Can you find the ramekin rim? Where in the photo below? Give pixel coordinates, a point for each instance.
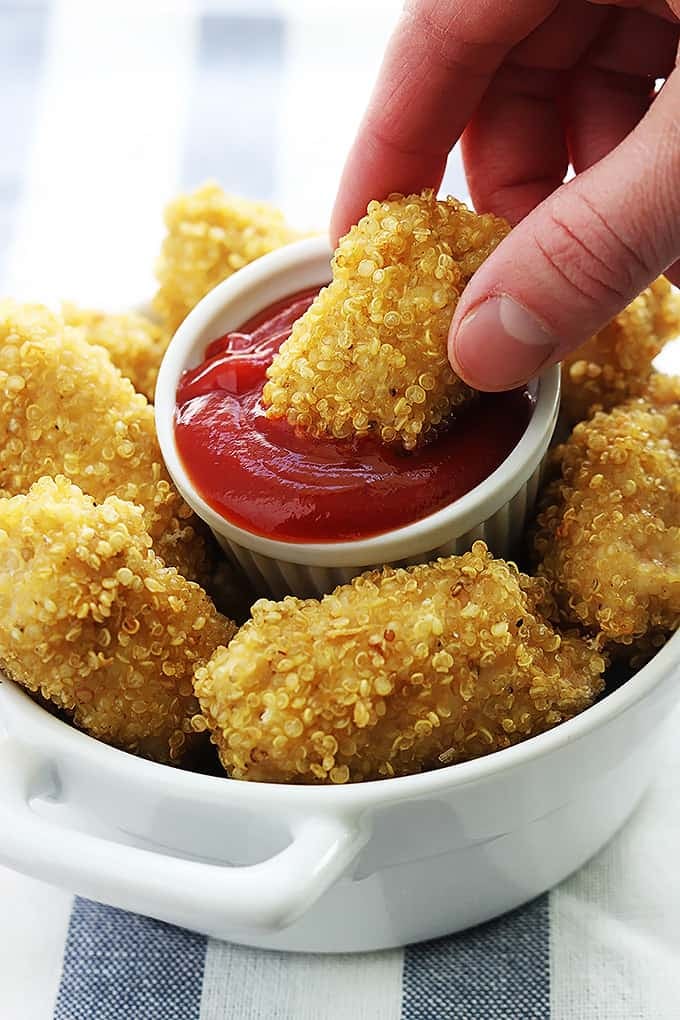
(363, 795)
(477, 505)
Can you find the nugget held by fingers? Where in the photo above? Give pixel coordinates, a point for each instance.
(92, 619)
(370, 354)
(399, 671)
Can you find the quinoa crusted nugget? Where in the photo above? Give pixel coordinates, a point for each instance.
(399, 671)
(92, 620)
(370, 353)
(211, 235)
(663, 391)
(616, 363)
(65, 409)
(608, 529)
(135, 344)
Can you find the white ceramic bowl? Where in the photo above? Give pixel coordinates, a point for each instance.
(327, 868)
(495, 510)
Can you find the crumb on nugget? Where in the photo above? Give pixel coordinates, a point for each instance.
(211, 235)
(399, 671)
(616, 363)
(370, 354)
(65, 409)
(135, 344)
(92, 619)
(607, 535)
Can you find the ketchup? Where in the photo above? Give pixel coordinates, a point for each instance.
(265, 477)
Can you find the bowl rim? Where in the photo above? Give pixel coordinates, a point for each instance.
(351, 797)
(484, 500)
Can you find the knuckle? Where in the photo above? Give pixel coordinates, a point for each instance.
(450, 41)
(512, 199)
(589, 254)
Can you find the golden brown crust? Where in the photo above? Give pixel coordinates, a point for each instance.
(607, 535)
(136, 345)
(65, 409)
(398, 671)
(663, 391)
(92, 619)
(616, 363)
(211, 235)
(370, 354)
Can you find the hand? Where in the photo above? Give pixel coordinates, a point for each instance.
(532, 85)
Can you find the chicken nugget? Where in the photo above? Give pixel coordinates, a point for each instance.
(65, 409)
(399, 671)
(663, 391)
(211, 235)
(616, 363)
(607, 535)
(92, 619)
(135, 344)
(370, 354)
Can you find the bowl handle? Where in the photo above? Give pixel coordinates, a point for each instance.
(257, 898)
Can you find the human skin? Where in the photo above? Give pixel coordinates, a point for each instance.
(531, 86)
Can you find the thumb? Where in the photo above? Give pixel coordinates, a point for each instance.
(577, 259)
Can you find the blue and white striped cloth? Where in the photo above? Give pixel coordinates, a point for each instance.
(107, 108)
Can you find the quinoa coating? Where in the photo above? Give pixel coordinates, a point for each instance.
(65, 409)
(663, 391)
(92, 619)
(211, 235)
(616, 363)
(608, 528)
(399, 671)
(135, 344)
(370, 353)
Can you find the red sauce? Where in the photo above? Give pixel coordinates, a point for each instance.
(271, 480)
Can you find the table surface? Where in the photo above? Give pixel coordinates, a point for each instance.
(111, 108)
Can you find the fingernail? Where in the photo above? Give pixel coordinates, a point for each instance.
(500, 345)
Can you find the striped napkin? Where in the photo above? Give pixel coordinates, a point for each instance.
(107, 110)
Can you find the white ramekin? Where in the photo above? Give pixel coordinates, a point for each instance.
(495, 510)
(327, 869)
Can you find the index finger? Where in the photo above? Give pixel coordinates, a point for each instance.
(437, 66)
